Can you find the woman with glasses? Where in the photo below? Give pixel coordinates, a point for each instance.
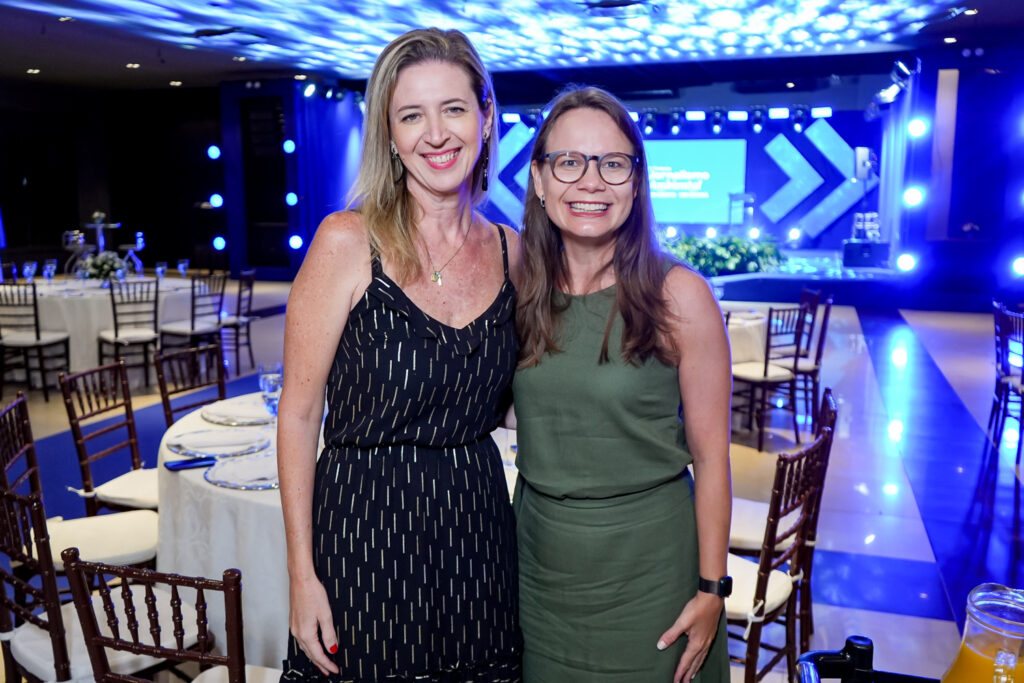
(401, 539)
(624, 381)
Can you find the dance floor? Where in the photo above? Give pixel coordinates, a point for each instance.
(918, 507)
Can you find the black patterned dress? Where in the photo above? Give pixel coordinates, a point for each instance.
(414, 538)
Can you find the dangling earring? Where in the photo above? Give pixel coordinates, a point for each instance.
(487, 161)
(542, 204)
(397, 167)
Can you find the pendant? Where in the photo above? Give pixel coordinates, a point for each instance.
(436, 277)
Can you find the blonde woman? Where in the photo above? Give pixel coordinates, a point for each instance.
(401, 541)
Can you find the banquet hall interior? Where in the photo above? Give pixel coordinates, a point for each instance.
(865, 156)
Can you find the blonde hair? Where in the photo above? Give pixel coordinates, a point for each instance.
(382, 198)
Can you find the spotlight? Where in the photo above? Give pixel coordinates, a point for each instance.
(799, 119)
(1018, 266)
(776, 113)
(219, 243)
(900, 70)
(906, 262)
(695, 116)
(648, 124)
(913, 196)
(794, 234)
(295, 242)
(754, 233)
(757, 120)
(291, 199)
(330, 93)
(636, 117)
(917, 127)
(716, 122)
(288, 146)
(671, 231)
(821, 112)
(510, 118)
(674, 123)
(216, 200)
(738, 115)
(711, 233)
(309, 90)
(213, 151)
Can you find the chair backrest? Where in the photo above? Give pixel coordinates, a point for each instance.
(207, 297)
(819, 351)
(793, 491)
(828, 415)
(1010, 327)
(19, 309)
(91, 393)
(184, 370)
(810, 298)
(139, 632)
(25, 543)
(18, 461)
(246, 284)
(785, 329)
(135, 304)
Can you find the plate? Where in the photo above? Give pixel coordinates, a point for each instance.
(255, 472)
(239, 411)
(218, 442)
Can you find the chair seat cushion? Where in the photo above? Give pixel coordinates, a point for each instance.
(744, 584)
(749, 517)
(118, 538)
(32, 649)
(235, 321)
(753, 371)
(184, 328)
(28, 339)
(253, 674)
(137, 489)
(129, 335)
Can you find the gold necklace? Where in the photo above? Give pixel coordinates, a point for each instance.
(435, 275)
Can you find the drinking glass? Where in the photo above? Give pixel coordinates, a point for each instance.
(270, 377)
(161, 269)
(28, 270)
(119, 274)
(50, 269)
(183, 267)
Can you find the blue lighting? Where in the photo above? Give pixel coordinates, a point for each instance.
(917, 127)
(711, 233)
(295, 242)
(778, 113)
(344, 38)
(906, 262)
(913, 196)
(899, 357)
(510, 117)
(288, 146)
(695, 116)
(219, 243)
(216, 201)
(738, 116)
(754, 233)
(636, 117)
(821, 112)
(895, 430)
(794, 234)
(291, 199)
(671, 231)
(213, 151)
(1018, 266)
(309, 90)
(890, 489)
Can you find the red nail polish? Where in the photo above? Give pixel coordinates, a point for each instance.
(334, 649)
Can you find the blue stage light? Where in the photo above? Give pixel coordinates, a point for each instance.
(754, 233)
(213, 151)
(1018, 266)
(219, 243)
(309, 90)
(291, 199)
(917, 127)
(671, 231)
(906, 262)
(695, 116)
(711, 233)
(636, 117)
(649, 124)
(821, 112)
(295, 242)
(738, 115)
(288, 146)
(510, 117)
(794, 234)
(216, 201)
(778, 113)
(913, 196)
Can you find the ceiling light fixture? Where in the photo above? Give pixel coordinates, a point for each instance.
(31, 71)
(238, 58)
(63, 19)
(949, 40)
(971, 12)
(300, 77)
(175, 84)
(132, 65)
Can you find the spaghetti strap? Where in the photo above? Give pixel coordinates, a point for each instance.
(504, 248)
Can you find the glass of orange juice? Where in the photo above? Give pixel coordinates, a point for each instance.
(992, 650)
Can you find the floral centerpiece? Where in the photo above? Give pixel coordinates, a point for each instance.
(102, 266)
(725, 255)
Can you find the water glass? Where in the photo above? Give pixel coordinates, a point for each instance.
(183, 267)
(270, 378)
(161, 269)
(50, 269)
(28, 270)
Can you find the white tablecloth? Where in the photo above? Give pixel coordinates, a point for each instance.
(746, 335)
(205, 529)
(82, 308)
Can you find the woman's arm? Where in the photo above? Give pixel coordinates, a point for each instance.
(705, 388)
(334, 272)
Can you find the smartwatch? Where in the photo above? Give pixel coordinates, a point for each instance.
(722, 588)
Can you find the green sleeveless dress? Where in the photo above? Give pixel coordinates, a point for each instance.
(605, 513)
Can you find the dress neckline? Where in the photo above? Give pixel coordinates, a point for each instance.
(388, 282)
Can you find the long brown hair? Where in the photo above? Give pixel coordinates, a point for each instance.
(385, 205)
(638, 263)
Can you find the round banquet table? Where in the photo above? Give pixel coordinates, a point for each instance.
(205, 529)
(747, 331)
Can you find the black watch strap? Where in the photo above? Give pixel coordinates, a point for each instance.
(722, 588)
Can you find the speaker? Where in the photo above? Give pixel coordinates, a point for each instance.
(865, 254)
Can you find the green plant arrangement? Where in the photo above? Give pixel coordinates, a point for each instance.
(725, 255)
(102, 266)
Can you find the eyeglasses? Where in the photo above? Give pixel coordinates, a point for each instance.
(615, 168)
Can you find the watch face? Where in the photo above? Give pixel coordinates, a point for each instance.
(725, 585)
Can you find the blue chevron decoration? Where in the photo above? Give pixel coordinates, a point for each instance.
(842, 198)
(803, 179)
(517, 138)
